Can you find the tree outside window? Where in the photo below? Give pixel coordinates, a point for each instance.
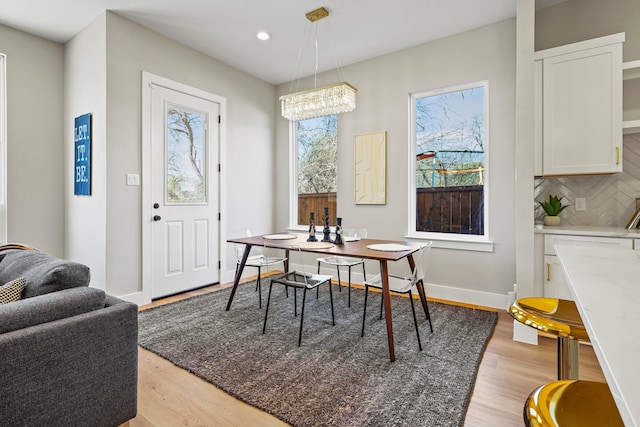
(449, 144)
(317, 167)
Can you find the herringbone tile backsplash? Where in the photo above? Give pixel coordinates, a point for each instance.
(611, 199)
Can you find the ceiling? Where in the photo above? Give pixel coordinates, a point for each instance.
(356, 30)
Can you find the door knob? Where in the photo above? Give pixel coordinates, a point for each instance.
(157, 217)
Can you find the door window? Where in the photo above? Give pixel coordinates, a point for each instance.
(185, 171)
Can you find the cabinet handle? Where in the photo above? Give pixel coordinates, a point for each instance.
(548, 272)
(617, 155)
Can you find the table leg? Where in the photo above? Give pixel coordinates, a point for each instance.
(236, 280)
(384, 273)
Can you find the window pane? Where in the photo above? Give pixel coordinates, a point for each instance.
(450, 161)
(317, 168)
(185, 154)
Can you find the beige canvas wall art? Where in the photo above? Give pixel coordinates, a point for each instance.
(370, 168)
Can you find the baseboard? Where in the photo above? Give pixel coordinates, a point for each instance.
(138, 298)
(467, 296)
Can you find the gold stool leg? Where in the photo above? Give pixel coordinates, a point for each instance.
(568, 358)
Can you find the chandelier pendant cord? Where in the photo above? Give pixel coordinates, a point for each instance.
(295, 84)
(339, 68)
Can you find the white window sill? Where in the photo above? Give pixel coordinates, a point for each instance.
(459, 242)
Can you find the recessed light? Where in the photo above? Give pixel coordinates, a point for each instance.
(263, 35)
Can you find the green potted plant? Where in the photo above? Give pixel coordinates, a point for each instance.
(552, 207)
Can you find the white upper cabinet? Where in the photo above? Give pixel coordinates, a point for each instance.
(579, 108)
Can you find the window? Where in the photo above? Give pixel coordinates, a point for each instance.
(316, 166)
(3, 149)
(448, 163)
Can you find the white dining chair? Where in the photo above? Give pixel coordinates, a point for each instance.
(349, 262)
(299, 279)
(258, 258)
(404, 285)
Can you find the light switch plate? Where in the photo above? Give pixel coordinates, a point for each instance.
(133, 179)
(581, 204)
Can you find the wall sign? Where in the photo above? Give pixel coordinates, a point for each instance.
(82, 153)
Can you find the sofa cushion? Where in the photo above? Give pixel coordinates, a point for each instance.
(11, 291)
(42, 309)
(43, 273)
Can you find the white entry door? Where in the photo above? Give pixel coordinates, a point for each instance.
(184, 188)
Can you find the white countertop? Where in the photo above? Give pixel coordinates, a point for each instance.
(606, 285)
(590, 230)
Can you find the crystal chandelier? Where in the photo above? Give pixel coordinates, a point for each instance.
(322, 101)
(333, 99)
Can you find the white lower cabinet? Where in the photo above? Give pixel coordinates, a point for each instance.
(554, 282)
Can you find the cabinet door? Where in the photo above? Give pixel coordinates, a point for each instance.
(582, 112)
(555, 285)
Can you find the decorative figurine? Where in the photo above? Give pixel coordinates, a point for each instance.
(312, 228)
(327, 231)
(338, 240)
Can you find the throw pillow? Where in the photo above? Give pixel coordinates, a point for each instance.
(11, 291)
(43, 273)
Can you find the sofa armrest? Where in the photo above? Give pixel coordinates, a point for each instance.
(79, 370)
(49, 307)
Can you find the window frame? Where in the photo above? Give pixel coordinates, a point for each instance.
(3, 148)
(450, 240)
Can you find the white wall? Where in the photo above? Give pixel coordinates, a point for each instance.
(129, 50)
(35, 198)
(578, 20)
(384, 85)
(85, 84)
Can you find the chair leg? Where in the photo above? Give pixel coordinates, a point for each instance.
(425, 304)
(318, 288)
(381, 303)
(304, 294)
(339, 285)
(266, 311)
(364, 312)
(333, 317)
(259, 286)
(295, 303)
(349, 299)
(415, 320)
(284, 268)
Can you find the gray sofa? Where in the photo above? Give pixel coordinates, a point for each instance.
(68, 352)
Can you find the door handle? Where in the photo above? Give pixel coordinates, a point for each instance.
(157, 217)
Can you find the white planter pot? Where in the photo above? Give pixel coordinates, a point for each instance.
(551, 220)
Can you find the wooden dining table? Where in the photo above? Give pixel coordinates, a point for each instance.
(385, 251)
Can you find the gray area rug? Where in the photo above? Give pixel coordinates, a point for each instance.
(336, 378)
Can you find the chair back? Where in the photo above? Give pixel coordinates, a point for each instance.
(420, 258)
(238, 247)
(360, 233)
(297, 257)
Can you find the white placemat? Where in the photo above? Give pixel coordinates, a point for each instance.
(350, 238)
(389, 247)
(279, 236)
(315, 245)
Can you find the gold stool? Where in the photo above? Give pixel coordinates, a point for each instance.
(558, 317)
(571, 403)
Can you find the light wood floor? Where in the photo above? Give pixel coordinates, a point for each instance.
(170, 396)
